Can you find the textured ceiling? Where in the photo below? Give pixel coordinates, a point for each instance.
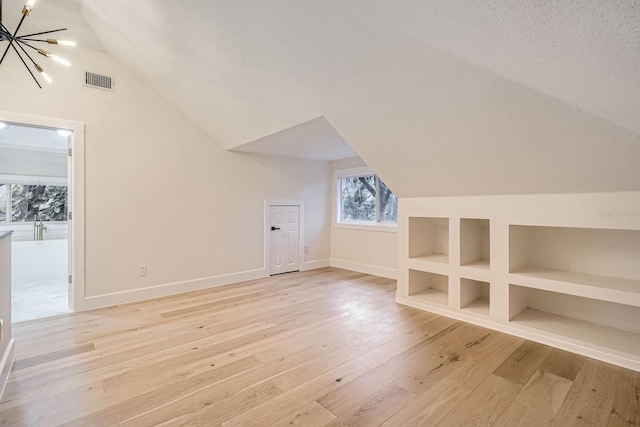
(439, 97)
(584, 52)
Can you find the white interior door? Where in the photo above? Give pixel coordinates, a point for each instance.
(285, 239)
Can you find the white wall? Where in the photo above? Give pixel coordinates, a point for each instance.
(360, 248)
(6, 343)
(160, 192)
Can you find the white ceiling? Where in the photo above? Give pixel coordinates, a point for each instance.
(20, 137)
(315, 140)
(439, 97)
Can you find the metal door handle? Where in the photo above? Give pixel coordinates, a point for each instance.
(275, 228)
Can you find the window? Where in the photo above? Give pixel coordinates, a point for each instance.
(365, 198)
(21, 203)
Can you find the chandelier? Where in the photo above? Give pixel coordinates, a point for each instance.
(22, 43)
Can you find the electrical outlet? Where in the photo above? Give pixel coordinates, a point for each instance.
(306, 249)
(441, 249)
(142, 270)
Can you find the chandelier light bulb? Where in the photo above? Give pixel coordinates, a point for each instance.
(60, 60)
(62, 42)
(44, 75)
(28, 6)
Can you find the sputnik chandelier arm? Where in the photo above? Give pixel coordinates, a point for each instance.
(18, 44)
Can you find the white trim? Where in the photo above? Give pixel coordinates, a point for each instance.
(588, 350)
(367, 226)
(374, 270)
(76, 195)
(34, 180)
(125, 297)
(6, 364)
(351, 172)
(267, 234)
(312, 265)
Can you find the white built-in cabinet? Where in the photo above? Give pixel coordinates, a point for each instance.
(563, 270)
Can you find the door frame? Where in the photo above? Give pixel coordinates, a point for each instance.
(75, 181)
(267, 230)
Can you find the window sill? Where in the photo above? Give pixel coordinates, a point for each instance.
(367, 226)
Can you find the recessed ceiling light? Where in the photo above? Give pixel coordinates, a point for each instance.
(63, 132)
(3, 125)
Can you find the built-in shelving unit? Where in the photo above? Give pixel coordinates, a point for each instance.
(563, 270)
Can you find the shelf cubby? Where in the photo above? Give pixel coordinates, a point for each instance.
(583, 321)
(429, 239)
(475, 243)
(474, 296)
(429, 287)
(591, 263)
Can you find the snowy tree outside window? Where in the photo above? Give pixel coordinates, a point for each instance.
(23, 203)
(366, 199)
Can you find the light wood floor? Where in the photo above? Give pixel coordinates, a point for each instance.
(326, 347)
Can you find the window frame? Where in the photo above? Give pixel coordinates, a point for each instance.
(377, 225)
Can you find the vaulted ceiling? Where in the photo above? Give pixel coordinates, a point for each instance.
(440, 97)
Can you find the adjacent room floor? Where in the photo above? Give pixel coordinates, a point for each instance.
(324, 347)
(35, 299)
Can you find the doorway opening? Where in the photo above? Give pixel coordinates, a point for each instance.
(42, 202)
(284, 236)
(34, 186)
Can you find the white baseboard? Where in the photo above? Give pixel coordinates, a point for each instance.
(5, 365)
(125, 297)
(312, 265)
(374, 270)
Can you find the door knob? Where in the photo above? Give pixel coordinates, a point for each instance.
(275, 228)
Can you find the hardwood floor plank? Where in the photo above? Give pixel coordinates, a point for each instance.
(563, 364)
(53, 356)
(210, 412)
(375, 409)
(590, 398)
(524, 362)
(428, 408)
(625, 411)
(269, 351)
(311, 415)
(484, 404)
(538, 402)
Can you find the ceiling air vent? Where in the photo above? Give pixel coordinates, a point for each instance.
(98, 81)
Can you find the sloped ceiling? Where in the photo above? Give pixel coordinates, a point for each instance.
(438, 97)
(314, 140)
